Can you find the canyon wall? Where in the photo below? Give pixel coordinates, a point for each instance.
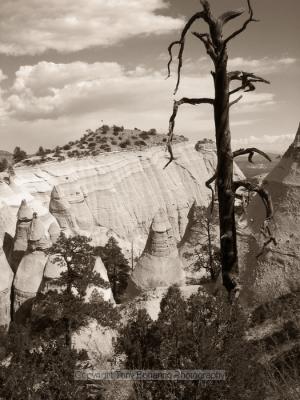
(113, 193)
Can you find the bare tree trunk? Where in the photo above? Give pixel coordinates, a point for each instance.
(216, 48)
(226, 197)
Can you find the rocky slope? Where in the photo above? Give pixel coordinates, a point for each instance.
(277, 271)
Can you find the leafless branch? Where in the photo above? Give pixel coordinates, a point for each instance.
(247, 79)
(235, 101)
(246, 23)
(266, 199)
(181, 43)
(206, 39)
(251, 151)
(208, 185)
(229, 15)
(176, 104)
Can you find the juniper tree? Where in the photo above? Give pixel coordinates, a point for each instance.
(63, 310)
(216, 47)
(117, 266)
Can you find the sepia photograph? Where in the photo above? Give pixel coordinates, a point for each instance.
(149, 200)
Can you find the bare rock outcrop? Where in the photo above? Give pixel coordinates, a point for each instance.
(54, 232)
(159, 264)
(277, 270)
(120, 192)
(6, 279)
(106, 294)
(30, 271)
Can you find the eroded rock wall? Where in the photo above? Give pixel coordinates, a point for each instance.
(119, 192)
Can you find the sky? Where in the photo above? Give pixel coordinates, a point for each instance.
(71, 65)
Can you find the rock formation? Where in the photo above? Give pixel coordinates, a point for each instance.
(54, 232)
(6, 278)
(119, 191)
(277, 271)
(30, 271)
(106, 294)
(159, 264)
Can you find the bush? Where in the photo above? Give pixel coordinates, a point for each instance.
(3, 164)
(140, 143)
(144, 135)
(66, 147)
(105, 129)
(114, 142)
(40, 152)
(19, 155)
(117, 129)
(126, 143)
(152, 132)
(202, 331)
(91, 145)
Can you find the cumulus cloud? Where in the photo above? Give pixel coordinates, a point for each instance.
(34, 26)
(48, 90)
(262, 65)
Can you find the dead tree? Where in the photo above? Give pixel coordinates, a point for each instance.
(216, 47)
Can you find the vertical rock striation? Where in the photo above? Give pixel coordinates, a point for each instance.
(159, 265)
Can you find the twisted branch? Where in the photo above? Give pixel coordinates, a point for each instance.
(235, 101)
(229, 15)
(266, 199)
(246, 23)
(251, 151)
(247, 79)
(176, 104)
(206, 40)
(208, 185)
(181, 43)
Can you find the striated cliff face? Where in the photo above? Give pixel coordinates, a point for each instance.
(119, 192)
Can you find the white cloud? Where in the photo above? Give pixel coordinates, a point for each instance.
(48, 90)
(262, 65)
(34, 26)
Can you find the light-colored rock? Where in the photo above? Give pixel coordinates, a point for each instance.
(150, 301)
(6, 278)
(24, 218)
(96, 340)
(106, 294)
(120, 192)
(37, 239)
(55, 265)
(277, 271)
(159, 264)
(28, 277)
(54, 232)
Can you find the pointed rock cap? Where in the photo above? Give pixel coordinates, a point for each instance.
(37, 230)
(297, 139)
(160, 222)
(55, 193)
(25, 212)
